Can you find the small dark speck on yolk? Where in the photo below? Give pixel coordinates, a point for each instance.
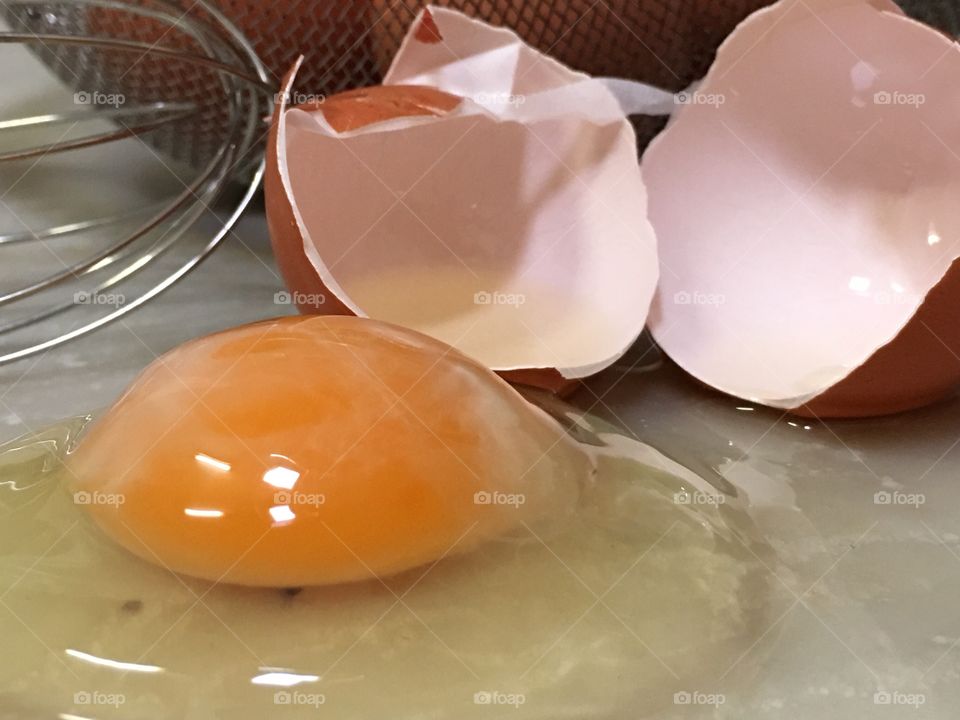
(132, 606)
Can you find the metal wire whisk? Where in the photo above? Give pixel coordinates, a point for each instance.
(188, 89)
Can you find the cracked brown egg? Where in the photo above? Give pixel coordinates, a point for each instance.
(484, 195)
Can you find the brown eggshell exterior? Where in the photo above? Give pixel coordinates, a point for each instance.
(349, 111)
(918, 367)
(355, 109)
(543, 378)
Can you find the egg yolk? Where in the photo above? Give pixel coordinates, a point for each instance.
(317, 450)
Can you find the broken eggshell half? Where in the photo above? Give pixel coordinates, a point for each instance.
(486, 196)
(805, 201)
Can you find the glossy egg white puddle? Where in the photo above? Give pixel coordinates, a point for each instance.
(655, 581)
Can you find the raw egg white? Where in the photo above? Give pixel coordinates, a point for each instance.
(632, 598)
(310, 451)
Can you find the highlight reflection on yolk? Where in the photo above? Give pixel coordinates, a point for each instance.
(317, 450)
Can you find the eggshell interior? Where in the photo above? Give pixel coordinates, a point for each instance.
(805, 218)
(518, 236)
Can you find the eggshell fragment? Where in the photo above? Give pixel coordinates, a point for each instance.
(510, 224)
(356, 109)
(805, 200)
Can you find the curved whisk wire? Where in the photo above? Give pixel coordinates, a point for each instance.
(35, 313)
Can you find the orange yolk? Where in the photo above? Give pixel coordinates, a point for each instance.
(316, 450)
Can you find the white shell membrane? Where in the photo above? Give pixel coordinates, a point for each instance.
(805, 200)
(514, 228)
